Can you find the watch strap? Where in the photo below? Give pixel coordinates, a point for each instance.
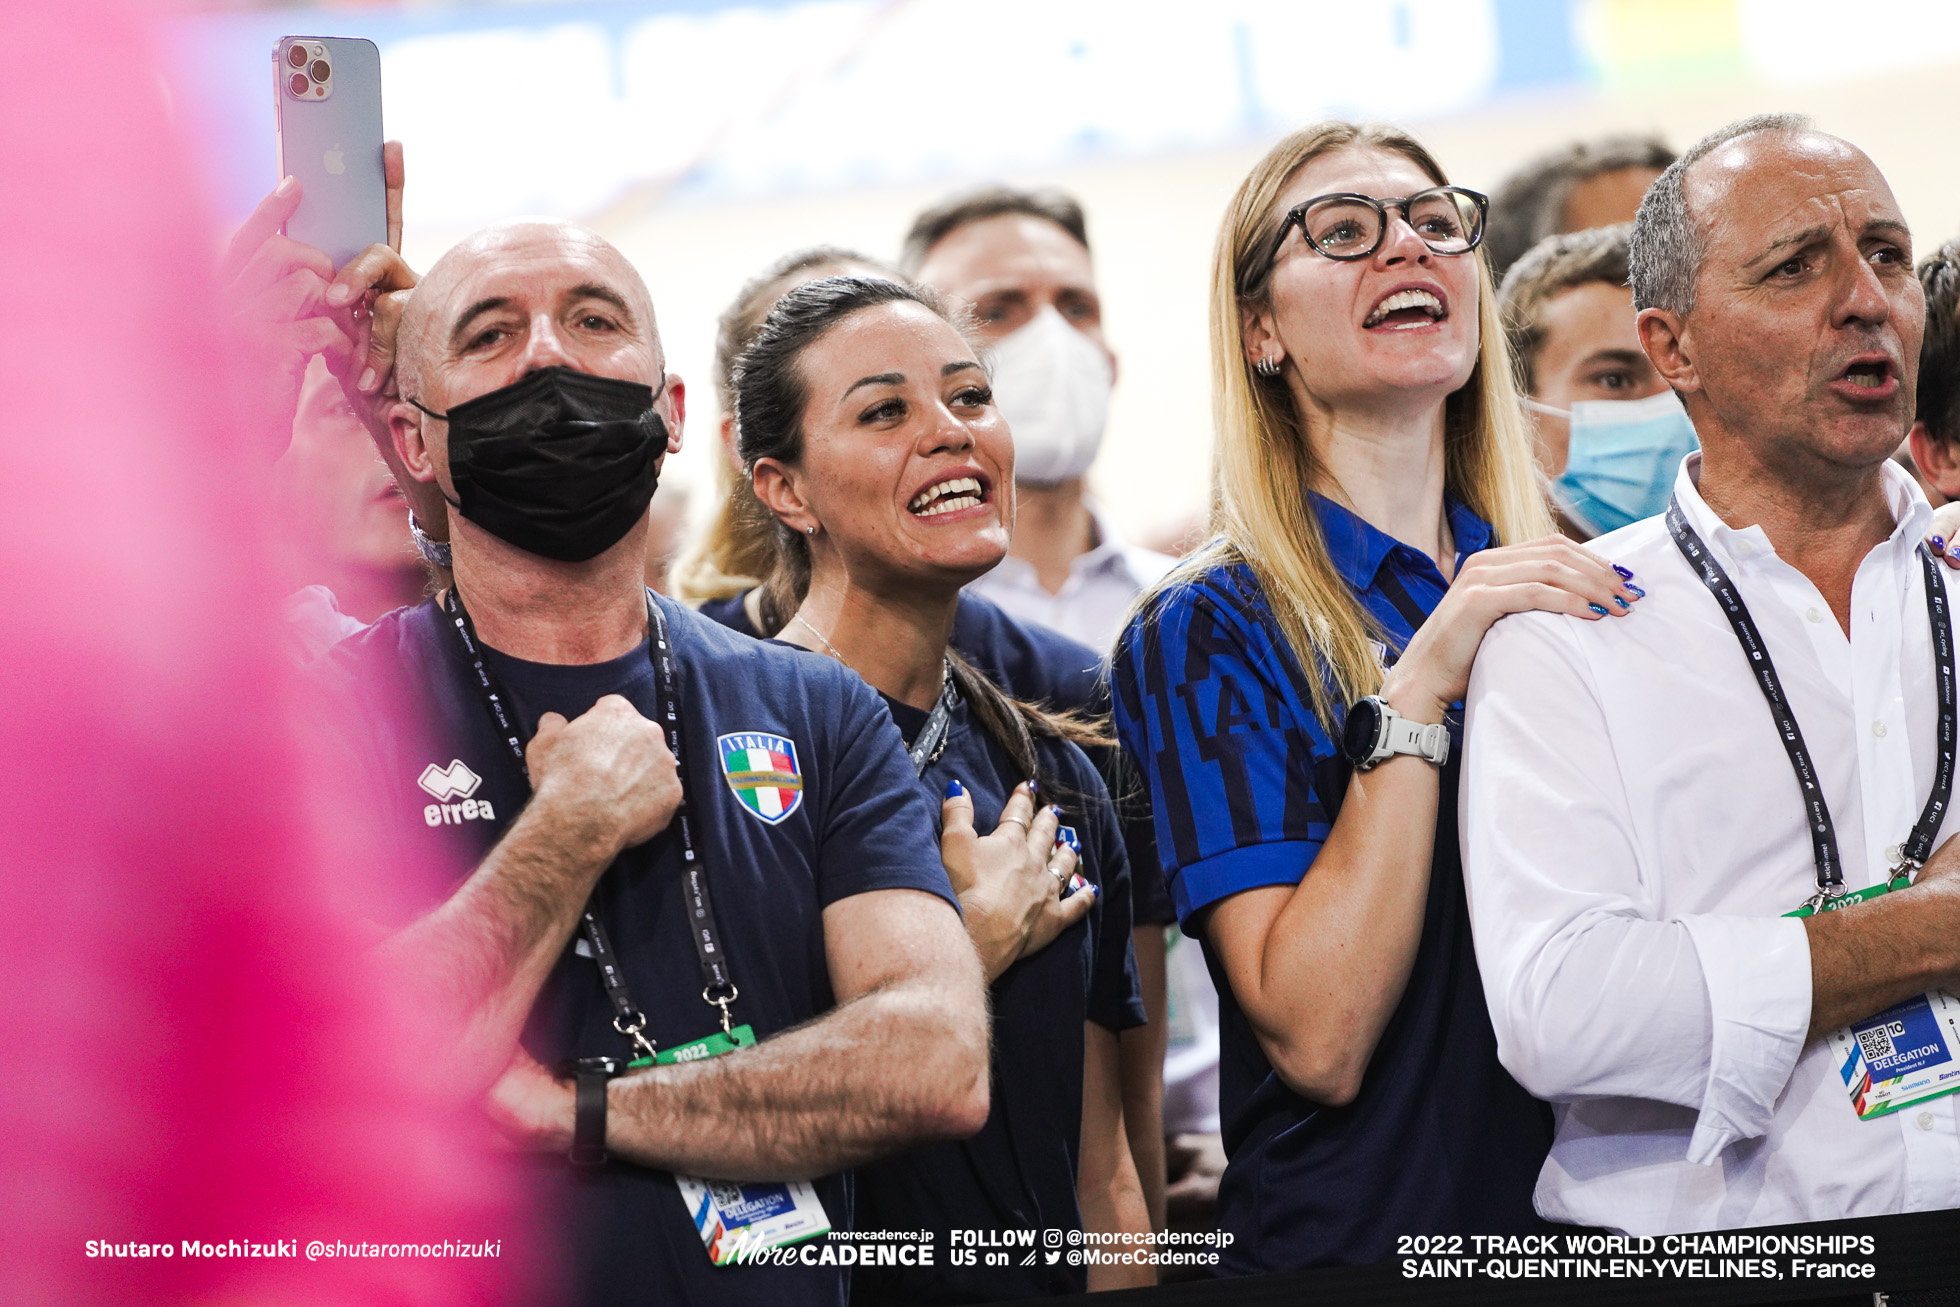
(1402, 735)
(589, 1115)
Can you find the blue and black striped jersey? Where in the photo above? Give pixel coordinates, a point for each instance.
(1213, 708)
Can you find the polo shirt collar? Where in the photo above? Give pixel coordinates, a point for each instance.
(1359, 548)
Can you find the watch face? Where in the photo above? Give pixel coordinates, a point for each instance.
(1364, 724)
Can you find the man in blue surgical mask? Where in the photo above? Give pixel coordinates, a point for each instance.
(1610, 433)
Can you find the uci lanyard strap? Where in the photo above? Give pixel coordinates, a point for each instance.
(1823, 836)
(718, 989)
(931, 741)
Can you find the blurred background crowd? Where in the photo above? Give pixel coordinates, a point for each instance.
(706, 139)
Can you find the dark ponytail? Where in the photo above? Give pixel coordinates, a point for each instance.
(770, 399)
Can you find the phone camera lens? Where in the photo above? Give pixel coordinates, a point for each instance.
(296, 56)
(322, 70)
(299, 83)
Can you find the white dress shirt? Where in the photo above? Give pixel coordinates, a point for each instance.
(1092, 603)
(1632, 831)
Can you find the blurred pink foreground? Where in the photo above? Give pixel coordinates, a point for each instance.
(191, 1049)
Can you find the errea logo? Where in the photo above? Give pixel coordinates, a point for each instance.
(456, 781)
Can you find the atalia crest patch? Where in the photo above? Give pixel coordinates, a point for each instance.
(762, 770)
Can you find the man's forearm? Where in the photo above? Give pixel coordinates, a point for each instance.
(485, 952)
(1863, 959)
(903, 1064)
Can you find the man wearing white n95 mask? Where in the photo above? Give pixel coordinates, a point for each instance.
(1020, 260)
(1647, 808)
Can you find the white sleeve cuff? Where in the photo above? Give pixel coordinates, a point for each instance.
(1758, 976)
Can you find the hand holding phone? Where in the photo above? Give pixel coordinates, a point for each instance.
(327, 92)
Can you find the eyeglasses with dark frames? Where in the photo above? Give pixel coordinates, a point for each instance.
(1346, 226)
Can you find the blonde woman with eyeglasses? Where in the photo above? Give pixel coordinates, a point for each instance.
(1292, 696)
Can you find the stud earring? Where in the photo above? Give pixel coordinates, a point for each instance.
(810, 529)
(1267, 366)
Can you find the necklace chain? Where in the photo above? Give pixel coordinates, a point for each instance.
(828, 646)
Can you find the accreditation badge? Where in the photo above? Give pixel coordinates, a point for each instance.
(1906, 1054)
(738, 1219)
(1903, 1055)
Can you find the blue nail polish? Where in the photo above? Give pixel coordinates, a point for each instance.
(1939, 545)
(1621, 602)
(1597, 609)
(1638, 593)
(954, 789)
(1033, 785)
(1624, 573)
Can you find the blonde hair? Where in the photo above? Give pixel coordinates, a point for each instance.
(736, 551)
(1263, 465)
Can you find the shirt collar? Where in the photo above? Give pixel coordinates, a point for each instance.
(1108, 549)
(1912, 516)
(1108, 554)
(1359, 548)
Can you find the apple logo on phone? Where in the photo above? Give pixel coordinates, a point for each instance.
(335, 161)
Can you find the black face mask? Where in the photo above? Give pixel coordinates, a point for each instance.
(559, 463)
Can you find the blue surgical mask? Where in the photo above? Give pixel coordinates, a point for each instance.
(1622, 457)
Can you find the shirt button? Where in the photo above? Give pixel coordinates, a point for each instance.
(1925, 1120)
(1878, 729)
(1895, 854)
(1812, 614)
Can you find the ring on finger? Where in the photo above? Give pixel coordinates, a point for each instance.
(1022, 822)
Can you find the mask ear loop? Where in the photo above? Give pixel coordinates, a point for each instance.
(1529, 403)
(430, 551)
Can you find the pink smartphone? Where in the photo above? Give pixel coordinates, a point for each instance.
(328, 93)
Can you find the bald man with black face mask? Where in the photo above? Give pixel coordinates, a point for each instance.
(684, 893)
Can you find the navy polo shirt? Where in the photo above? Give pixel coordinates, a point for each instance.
(1043, 667)
(1213, 707)
(1019, 1172)
(853, 819)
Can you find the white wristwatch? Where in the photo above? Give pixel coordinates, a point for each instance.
(1375, 731)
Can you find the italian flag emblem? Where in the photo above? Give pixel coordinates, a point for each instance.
(762, 771)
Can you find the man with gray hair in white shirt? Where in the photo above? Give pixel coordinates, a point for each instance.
(1649, 803)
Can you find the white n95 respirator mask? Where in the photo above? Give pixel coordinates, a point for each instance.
(1052, 385)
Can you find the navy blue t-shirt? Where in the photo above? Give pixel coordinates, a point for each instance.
(1044, 667)
(1245, 784)
(833, 809)
(1019, 1172)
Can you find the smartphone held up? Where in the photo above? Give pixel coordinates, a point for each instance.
(327, 90)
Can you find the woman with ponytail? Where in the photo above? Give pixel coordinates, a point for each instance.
(1292, 695)
(867, 426)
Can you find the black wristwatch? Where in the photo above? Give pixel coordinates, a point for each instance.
(1375, 731)
(589, 1116)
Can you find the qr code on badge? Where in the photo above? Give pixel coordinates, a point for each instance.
(1875, 1043)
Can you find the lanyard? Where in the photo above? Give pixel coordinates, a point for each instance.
(718, 989)
(1823, 836)
(931, 741)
